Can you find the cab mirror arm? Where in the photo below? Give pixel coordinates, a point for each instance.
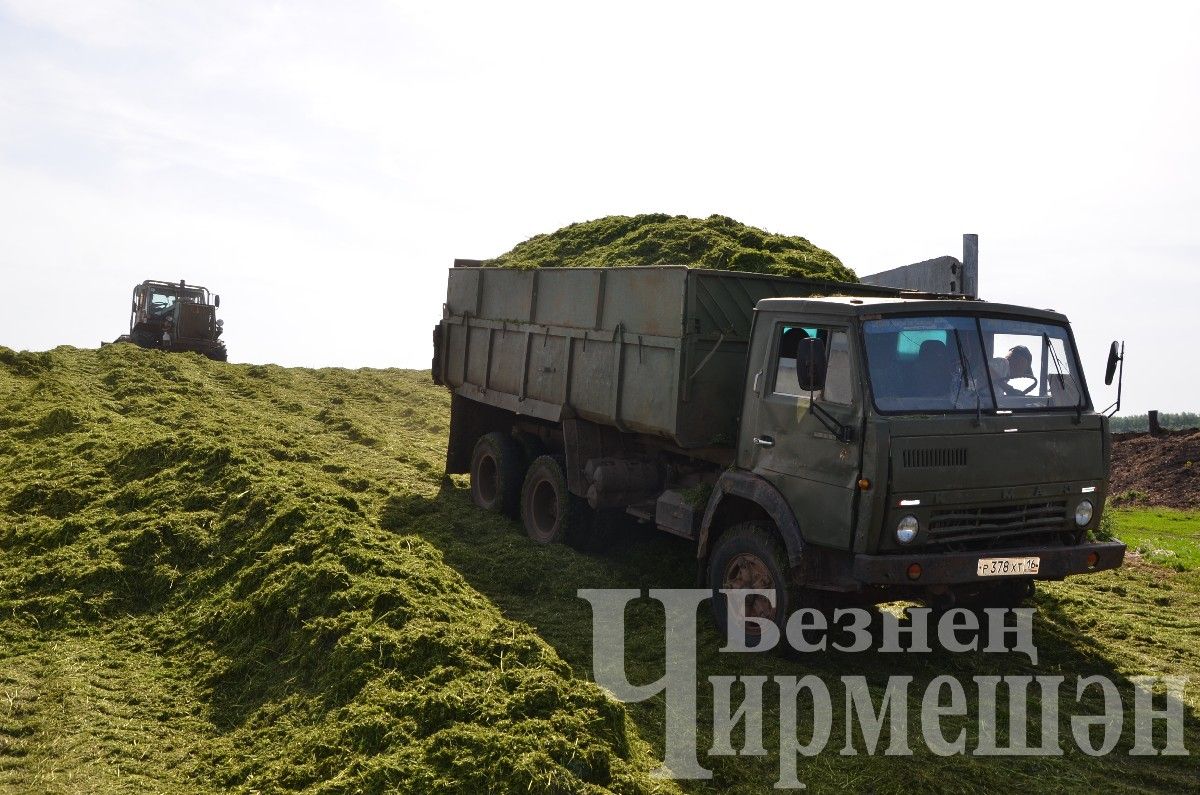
(811, 362)
(843, 433)
(1116, 355)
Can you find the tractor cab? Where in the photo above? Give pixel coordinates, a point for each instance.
(154, 302)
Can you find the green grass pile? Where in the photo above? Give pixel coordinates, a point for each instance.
(243, 578)
(211, 576)
(715, 242)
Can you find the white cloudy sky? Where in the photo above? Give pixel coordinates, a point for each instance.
(321, 164)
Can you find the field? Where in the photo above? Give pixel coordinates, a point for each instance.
(250, 578)
(1162, 535)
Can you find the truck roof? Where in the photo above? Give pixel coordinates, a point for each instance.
(868, 305)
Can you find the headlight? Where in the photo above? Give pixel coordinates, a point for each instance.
(907, 529)
(1083, 513)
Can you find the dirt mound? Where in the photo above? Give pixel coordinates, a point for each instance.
(1157, 470)
(715, 242)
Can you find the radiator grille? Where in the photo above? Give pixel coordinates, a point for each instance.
(935, 457)
(998, 522)
(195, 321)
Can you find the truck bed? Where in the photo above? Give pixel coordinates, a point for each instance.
(655, 350)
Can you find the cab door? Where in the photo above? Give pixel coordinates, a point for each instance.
(807, 442)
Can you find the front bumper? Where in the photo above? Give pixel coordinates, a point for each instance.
(956, 568)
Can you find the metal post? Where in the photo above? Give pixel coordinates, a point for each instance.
(970, 269)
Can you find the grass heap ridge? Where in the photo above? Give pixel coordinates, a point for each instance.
(715, 242)
(210, 537)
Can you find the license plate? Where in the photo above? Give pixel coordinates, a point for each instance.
(1008, 567)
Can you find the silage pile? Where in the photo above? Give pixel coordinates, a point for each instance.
(715, 242)
(205, 583)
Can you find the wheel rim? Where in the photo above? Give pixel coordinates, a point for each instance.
(748, 572)
(485, 480)
(543, 510)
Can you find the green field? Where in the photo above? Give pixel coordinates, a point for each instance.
(252, 578)
(1161, 535)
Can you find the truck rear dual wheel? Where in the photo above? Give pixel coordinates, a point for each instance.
(549, 511)
(497, 467)
(750, 556)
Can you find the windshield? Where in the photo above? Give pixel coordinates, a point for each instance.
(959, 363)
(162, 301)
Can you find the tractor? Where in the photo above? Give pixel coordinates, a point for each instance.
(176, 317)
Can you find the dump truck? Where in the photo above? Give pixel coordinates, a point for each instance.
(833, 442)
(176, 316)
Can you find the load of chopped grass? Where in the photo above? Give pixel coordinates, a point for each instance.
(715, 242)
(197, 593)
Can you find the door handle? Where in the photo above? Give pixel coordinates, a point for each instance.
(764, 441)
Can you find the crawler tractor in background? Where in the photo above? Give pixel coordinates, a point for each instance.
(176, 317)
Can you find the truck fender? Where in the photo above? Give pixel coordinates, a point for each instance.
(751, 487)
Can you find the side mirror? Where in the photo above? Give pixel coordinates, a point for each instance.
(1114, 356)
(811, 364)
(217, 301)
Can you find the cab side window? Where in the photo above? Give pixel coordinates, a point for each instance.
(786, 382)
(837, 372)
(822, 353)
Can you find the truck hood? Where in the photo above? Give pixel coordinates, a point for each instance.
(991, 457)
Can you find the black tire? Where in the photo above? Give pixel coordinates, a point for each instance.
(750, 555)
(497, 466)
(145, 339)
(549, 511)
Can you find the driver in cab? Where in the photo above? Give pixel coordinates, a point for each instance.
(1018, 365)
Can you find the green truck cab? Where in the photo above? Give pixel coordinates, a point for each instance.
(835, 443)
(942, 449)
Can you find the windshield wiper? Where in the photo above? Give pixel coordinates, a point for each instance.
(1062, 381)
(965, 368)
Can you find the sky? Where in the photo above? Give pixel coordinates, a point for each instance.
(320, 165)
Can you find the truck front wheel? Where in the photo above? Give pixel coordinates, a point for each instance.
(549, 511)
(749, 556)
(497, 465)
